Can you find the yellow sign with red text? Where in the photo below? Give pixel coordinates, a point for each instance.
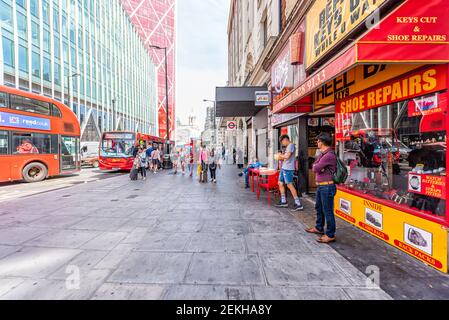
(419, 83)
(423, 239)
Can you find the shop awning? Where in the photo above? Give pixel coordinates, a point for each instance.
(399, 38)
(237, 101)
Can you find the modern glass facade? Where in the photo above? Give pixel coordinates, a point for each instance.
(85, 53)
(155, 22)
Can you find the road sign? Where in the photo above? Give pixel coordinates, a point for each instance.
(232, 125)
(263, 98)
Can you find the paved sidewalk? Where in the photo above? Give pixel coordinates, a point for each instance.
(165, 238)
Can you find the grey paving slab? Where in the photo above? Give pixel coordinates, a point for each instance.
(164, 242)
(136, 235)
(154, 268)
(7, 250)
(100, 224)
(226, 269)
(216, 242)
(113, 259)
(302, 270)
(208, 292)
(224, 214)
(112, 291)
(105, 241)
(43, 289)
(273, 226)
(63, 239)
(367, 294)
(35, 262)
(305, 293)
(84, 262)
(56, 222)
(75, 210)
(226, 226)
(8, 284)
(18, 235)
(18, 218)
(255, 214)
(178, 226)
(275, 242)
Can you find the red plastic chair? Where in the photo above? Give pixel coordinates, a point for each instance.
(269, 183)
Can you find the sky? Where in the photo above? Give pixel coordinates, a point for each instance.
(201, 55)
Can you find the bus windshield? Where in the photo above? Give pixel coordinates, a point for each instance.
(118, 145)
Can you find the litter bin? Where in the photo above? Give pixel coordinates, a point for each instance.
(167, 164)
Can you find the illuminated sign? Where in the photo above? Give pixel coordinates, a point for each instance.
(24, 122)
(119, 136)
(263, 98)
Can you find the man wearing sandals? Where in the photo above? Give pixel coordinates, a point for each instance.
(324, 167)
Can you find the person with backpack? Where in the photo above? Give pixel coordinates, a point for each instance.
(325, 169)
(143, 162)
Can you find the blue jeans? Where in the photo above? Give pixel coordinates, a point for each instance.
(325, 209)
(245, 173)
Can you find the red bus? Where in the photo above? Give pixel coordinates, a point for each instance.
(39, 137)
(117, 148)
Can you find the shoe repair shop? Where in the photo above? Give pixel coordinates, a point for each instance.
(388, 91)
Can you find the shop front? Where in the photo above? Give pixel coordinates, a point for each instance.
(387, 94)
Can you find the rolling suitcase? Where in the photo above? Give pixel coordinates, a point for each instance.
(204, 176)
(133, 174)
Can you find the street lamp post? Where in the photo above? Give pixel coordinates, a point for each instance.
(167, 160)
(69, 85)
(215, 120)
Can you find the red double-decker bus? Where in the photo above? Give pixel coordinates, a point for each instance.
(39, 137)
(117, 148)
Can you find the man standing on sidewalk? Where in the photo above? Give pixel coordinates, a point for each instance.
(325, 167)
(286, 175)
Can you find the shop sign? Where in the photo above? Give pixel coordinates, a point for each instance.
(414, 32)
(420, 83)
(358, 79)
(423, 239)
(286, 76)
(263, 98)
(24, 122)
(337, 66)
(428, 185)
(328, 23)
(277, 119)
(231, 125)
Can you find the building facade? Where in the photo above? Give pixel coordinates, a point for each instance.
(155, 21)
(79, 52)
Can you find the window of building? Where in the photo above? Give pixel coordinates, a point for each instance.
(34, 143)
(47, 69)
(3, 100)
(47, 47)
(23, 58)
(21, 3)
(45, 12)
(5, 13)
(56, 47)
(55, 20)
(57, 74)
(36, 64)
(393, 150)
(29, 105)
(22, 25)
(8, 52)
(34, 5)
(35, 33)
(4, 142)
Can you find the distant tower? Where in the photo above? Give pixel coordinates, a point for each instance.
(155, 22)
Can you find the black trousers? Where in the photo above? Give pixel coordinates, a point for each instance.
(143, 171)
(213, 172)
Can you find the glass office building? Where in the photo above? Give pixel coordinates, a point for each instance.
(85, 53)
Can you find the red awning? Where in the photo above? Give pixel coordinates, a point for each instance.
(412, 33)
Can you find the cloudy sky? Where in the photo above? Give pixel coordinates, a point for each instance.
(201, 54)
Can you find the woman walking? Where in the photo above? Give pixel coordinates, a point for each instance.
(143, 162)
(213, 163)
(155, 155)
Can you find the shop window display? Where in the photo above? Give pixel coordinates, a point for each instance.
(397, 153)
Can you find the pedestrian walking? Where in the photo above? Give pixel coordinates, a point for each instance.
(286, 174)
(203, 162)
(223, 153)
(148, 152)
(234, 156)
(155, 155)
(213, 161)
(324, 167)
(182, 160)
(191, 160)
(240, 158)
(174, 156)
(142, 162)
